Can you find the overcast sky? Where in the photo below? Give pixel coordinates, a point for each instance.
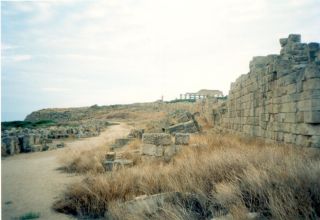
(79, 53)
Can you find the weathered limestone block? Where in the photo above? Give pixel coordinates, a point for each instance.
(136, 133)
(157, 139)
(311, 84)
(116, 164)
(182, 138)
(315, 141)
(26, 142)
(176, 128)
(312, 71)
(186, 127)
(309, 105)
(7, 145)
(306, 129)
(312, 117)
(108, 165)
(296, 38)
(151, 205)
(313, 48)
(152, 150)
(111, 156)
(303, 140)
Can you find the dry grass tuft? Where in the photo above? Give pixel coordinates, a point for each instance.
(241, 175)
(83, 161)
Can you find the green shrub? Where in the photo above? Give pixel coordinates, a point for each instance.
(29, 215)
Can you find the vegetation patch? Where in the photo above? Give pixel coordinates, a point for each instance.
(29, 215)
(235, 174)
(26, 124)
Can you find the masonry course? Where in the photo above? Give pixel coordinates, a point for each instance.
(279, 99)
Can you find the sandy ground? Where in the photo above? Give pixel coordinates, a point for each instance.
(31, 182)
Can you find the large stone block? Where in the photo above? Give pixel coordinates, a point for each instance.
(311, 84)
(136, 133)
(157, 139)
(312, 117)
(313, 48)
(296, 38)
(307, 129)
(187, 127)
(7, 145)
(152, 150)
(312, 71)
(116, 164)
(303, 140)
(315, 141)
(111, 156)
(309, 105)
(182, 139)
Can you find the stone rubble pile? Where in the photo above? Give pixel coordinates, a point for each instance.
(17, 140)
(279, 99)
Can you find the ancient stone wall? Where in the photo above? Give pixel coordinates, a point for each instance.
(279, 99)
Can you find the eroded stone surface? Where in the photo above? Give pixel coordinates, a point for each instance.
(279, 99)
(157, 139)
(152, 150)
(182, 138)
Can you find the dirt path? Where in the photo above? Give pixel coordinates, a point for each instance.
(31, 182)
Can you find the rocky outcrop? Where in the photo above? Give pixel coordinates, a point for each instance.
(279, 99)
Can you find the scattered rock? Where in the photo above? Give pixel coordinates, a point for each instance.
(60, 145)
(148, 206)
(249, 216)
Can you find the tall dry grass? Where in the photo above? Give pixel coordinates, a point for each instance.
(83, 161)
(241, 175)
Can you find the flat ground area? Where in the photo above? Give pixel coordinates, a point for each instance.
(31, 182)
